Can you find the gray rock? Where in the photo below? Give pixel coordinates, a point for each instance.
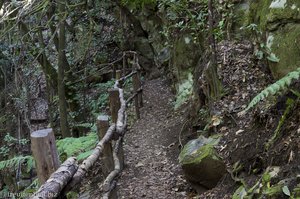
(201, 163)
(279, 22)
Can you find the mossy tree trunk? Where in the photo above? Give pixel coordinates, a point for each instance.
(64, 126)
(73, 102)
(214, 89)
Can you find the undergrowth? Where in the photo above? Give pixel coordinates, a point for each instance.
(14, 163)
(101, 101)
(274, 89)
(185, 91)
(80, 147)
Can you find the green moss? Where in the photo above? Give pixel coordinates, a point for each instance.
(184, 58)
(258, 11)
(286, 47)
(241, 17)
(205, 149)
(278, 19)
(269, 17)
(296, 191)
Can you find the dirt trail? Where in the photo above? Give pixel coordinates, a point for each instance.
(151, 149)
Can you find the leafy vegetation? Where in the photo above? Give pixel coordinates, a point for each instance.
(137, 4)
(280, 85)
(10, 143)
(185, 91)
(63, 53)
(264, 187)
(13, 164)
(263, 50)
(80, 147)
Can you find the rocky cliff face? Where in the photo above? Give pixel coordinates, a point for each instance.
(279, 21)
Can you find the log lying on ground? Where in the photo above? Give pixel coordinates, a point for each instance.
(90, 161)
(57, 181)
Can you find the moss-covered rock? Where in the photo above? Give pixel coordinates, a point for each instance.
(280, 21)
(143, 46)
(201, 163)
(184, 56)
(241, 12)
(285, 45)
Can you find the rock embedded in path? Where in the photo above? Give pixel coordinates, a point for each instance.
(201, 163)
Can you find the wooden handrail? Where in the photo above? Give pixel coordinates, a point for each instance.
(115, 131)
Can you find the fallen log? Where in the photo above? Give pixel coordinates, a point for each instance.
(57, 181)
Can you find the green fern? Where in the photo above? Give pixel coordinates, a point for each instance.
(14, 163)
(84, 155)
(76, 146)
(275, 88)
(81, 147)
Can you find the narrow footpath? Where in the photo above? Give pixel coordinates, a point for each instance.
(151, 148)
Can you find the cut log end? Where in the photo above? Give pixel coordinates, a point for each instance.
(41, 133)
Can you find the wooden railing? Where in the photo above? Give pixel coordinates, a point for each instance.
(110, 147)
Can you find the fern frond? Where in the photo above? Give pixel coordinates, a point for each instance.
(14, 162)
(76, 146)
(275, 88)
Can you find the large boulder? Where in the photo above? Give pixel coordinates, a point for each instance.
(201, 163)
(184, 57)
(280, 21)
(146, 59)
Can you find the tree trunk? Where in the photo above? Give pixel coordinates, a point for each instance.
(47, 67)
(214, 84)
(64, 126)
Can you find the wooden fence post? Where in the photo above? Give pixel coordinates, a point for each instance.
(44, 151)
(136, 86)
(124, 63)
(114, 101)
(107, 158)
(138, 79)
(108, 162)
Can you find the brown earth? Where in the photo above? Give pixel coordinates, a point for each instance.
(151, 148)
(152, 142)
(244, 137)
